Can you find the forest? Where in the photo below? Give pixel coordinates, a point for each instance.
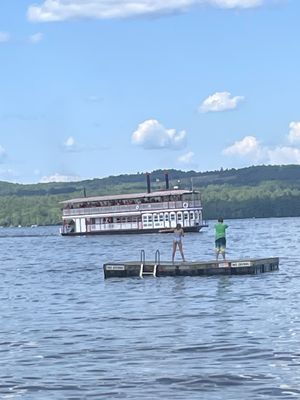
(257, 191)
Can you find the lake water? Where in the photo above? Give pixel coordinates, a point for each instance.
(66, 333)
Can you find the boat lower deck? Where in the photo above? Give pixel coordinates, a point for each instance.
(118, 231)
(190, 268)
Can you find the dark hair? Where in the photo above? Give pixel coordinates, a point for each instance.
(178, 226)
(220, 219)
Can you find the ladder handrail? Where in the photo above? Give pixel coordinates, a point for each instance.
(157, 257)
(142, 256)
(154, 270)
(142, 270)
(156, 263)
(142, 263)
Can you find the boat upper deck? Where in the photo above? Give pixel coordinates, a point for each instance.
(131, 208)
(132, 203)
(130, 196)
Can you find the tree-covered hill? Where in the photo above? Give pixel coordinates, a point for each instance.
(259, 191)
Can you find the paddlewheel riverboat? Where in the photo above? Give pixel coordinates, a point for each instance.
(148, 212)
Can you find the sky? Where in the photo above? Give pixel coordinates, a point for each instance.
(94, 88)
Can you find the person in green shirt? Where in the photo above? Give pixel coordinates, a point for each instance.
(220, 237)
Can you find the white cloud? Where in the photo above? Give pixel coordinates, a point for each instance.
(94, 99)
(70, 144)
(59, 10)
(220, 101)
(250, 149)
(4, 37)
(152, 135)
(283, 155)
(59, 178)
(186, 158)
(7, 173)
(36, 38)
(294, 133)
(249, 145)
(237, 3)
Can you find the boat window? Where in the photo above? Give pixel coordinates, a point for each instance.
(154, 199)
(150, 218)
(155, 218)
(192, 215)
(172, 216)
(179, 216)
(166, 217)
(186, 215)
(190, 196)
(161, 217)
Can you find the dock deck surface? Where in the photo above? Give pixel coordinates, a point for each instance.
(190, 268)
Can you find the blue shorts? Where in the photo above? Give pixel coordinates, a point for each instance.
(221, 244)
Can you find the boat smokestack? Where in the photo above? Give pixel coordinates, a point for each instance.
(148, 182)
(167, 180)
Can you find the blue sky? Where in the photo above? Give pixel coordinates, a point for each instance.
(91, 88)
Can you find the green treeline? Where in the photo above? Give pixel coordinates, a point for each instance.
(268, 199)
(260, 191)
(29, 210)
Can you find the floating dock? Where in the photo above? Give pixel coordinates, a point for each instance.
(189, 268)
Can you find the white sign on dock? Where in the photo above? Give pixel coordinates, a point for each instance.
(115, 267)
(223, 265)
(241, 264)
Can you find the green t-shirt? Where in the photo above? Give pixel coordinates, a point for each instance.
(220, 229)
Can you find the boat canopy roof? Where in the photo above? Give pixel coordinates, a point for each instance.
(161, 193)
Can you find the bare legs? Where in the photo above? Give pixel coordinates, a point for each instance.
(180, 249)
(218, 251)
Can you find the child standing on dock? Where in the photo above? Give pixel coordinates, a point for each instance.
(220, 237)
(177, 241)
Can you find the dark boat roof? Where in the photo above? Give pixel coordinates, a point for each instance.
(128, 196)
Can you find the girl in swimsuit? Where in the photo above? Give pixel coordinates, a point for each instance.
(177, 241)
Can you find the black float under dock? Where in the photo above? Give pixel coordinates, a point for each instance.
(190, 268)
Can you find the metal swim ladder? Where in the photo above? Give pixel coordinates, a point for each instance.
(156, 263)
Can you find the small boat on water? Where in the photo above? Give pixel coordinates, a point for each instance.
(150, 212)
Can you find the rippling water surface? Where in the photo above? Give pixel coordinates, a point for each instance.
(65, 333)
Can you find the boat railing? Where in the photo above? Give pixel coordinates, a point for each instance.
(131, 208)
